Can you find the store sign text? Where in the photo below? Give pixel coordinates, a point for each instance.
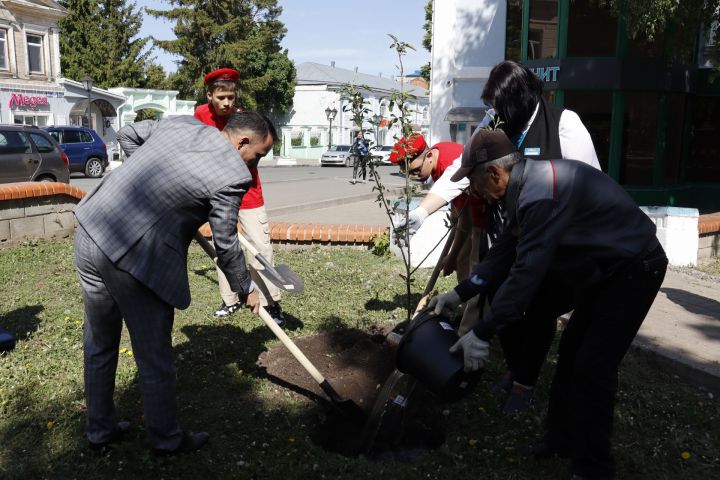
(24, 101)
(546, 74)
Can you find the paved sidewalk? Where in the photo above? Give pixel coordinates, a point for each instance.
(683, 328)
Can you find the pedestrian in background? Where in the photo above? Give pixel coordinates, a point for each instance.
(131, 248)
(221, 88)
(360, 154)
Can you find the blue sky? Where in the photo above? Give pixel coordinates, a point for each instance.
(353, 34)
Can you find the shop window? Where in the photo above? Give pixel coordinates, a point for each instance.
(703, 163)
(591, 30)
(35, 53)
(595, 111)
(3, 49)
(543, 29)
(37, 120)
(513, 30)
(639, 138)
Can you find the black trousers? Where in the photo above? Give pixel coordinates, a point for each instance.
(526, 343)
(594, 342)
(359, 167)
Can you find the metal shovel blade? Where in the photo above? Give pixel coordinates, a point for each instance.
(284, 278)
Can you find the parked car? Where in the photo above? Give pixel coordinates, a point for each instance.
(338, 155)
(84, 148)
(382, 153)
(29, 154)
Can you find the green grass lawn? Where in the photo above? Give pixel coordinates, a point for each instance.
(664, 428)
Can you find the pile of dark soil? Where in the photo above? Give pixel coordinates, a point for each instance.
(405, 423)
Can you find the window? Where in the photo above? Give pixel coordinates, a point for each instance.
(71, 136)
(595, 111)
(3, 49)
(85, 137)
(41, 142)
(14, 142)
(513, 29)
(56, 135)
(702, 162)
(38, 120)
(639, 138)
(35, 53)
(591, 30)
(542, 29)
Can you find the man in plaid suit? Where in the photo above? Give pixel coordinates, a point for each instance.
(131, 255)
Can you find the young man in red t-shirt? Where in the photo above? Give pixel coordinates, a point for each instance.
(221, 93)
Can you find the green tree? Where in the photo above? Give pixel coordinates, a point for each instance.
(427, 39)
(155, 77)
(240, 34)
(99, 38)
(680, 21)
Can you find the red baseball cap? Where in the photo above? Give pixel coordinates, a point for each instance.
(411, 147)
(227, 74)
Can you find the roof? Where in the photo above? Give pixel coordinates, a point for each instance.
(311, 73)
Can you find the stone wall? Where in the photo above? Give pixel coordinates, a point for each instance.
(31, 210)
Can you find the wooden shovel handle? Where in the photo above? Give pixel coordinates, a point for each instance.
(249, 246)
(297, 353)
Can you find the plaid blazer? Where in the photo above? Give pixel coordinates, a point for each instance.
(144, 214)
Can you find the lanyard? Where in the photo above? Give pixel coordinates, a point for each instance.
(521, 138)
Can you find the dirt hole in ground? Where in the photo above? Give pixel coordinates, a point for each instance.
(403, 420)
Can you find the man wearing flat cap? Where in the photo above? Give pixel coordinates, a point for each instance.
(221, 88)
(573, 239)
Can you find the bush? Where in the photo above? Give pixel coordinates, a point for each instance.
(314, 141)
(296, 141)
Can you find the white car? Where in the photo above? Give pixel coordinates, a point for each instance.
(382, 153)
(339, 155)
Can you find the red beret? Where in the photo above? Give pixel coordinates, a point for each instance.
(222, 74)
(411, 147)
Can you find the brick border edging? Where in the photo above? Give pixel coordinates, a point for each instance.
(303, 233)
(16, 191)
(709, 223)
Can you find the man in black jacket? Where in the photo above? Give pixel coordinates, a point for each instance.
(574, 239)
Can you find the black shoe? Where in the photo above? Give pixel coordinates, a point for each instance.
(503, 386)
(189, 443)
(276, 313)
(519, 400)
(542, 449)
(227, 310)
(116, 436)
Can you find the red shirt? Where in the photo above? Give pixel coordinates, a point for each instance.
(254, 197)
(447, 153)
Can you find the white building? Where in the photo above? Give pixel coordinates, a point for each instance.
(306, 133)
(468, 40)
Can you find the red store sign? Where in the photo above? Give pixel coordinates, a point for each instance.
(24, 101)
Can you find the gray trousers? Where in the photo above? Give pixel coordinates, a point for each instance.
(109, 296)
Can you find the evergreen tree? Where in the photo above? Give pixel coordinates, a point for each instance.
(99, 38)
(240, 34)
(427, 39)
(155, 77)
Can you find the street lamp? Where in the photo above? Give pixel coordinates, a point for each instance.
(330, 114)
(376, 120)
(87, 82)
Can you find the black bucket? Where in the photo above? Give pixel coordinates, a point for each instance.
(424, 353)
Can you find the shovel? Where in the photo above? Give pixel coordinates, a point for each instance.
(280, 275)
(346, 407)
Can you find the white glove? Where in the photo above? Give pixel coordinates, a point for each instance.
(415, 219)
(475, 351)
(447, 301)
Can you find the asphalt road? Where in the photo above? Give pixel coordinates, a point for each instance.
(288, 190)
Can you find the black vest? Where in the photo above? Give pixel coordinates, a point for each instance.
(542, 141)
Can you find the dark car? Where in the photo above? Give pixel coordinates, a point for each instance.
(28, 153)
(84, 148)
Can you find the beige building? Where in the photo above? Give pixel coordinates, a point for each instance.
(32, 90)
